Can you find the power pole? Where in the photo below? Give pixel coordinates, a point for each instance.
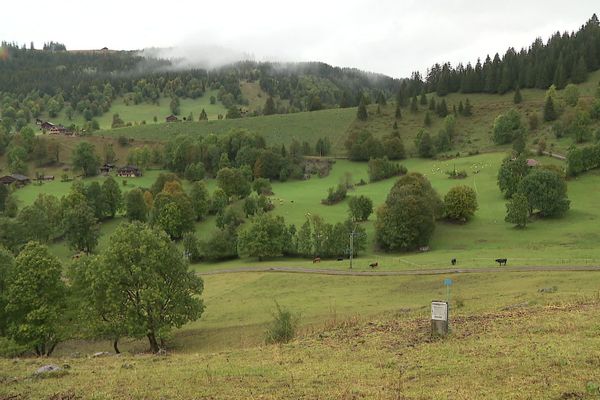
(352, 244)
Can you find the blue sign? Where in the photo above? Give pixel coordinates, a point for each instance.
(448, 282)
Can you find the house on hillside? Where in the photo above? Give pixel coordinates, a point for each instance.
(532, 163)
(46, 126)
(172, 118)
(106, 168)
(18, 179)
(129, 171)
(59, 130)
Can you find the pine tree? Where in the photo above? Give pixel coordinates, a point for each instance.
(468, 108)
(427, 120)
(461, 108)
(432, 104)
(560, 76)
(362, 113)
(579, 71)
(549, 111)
(423, 99)
(398, 112)
(426, 149)
(442, 109)
(517, 98)
(414, 105)
(269, 108)
(395, 125)
(203, 116)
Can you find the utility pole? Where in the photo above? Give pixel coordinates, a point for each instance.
(352, 243)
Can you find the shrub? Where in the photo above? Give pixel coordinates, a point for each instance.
(455, 174)
(284, 326)
(335, 195)
(382, 168)
(460, 203)
(360, 208)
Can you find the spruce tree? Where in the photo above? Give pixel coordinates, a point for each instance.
(442, 109)
(461, 108)
(468, 109)
(414, 105)
(580, 71)
(426, 149)
(395, 125)
(432, 104)
(203, 116)
(560, 76)
(269, 108)
(427, 120)
(549, 111)
(517, 98)
(362, 113)
(423, 99)
(398, 112)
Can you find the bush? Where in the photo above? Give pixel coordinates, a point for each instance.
(382, 168)
(284, 326)
(360, 208)
(460, 203)
(507, 127)
(454, 174)
(334, 195)
(123, 141)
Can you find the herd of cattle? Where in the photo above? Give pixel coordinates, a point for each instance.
(373, 265)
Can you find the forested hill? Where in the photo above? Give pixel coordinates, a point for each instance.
(565, 57)
(33, 81)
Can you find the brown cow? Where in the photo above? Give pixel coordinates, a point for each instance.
(374, 265)
(316, 260)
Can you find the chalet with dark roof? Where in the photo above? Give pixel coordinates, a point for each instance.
(129, 171)
(106, 168)
(46, 126)
(17, 179)
(172, 118)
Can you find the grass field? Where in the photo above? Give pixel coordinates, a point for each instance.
(146, 112)
(277, 129)
(360, 338)
(571, 240)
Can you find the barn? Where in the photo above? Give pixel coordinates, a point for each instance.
(172, 118)
(17, 179)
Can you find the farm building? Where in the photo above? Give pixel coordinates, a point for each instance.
(532, 163)
(129, 171)
(106, 168)
(59, 130)
(172, 118)
(46, 126)
(17, 179)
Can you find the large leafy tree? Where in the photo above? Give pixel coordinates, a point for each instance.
(510, 174)
(79, 223)
(172, 211)
(546, 191)
(200, 200)
(7, 263)
(233, 182)
(112, 197)
(85, 159)
(265, 237)
(36, 300)
(407, 218)
(143, 284)
(507, 127)
(517, 210)
(135, 205)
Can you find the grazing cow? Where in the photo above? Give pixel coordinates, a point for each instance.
(340, 259)
(501, 261)
(374, 265)
(453, 261)
(316, 260)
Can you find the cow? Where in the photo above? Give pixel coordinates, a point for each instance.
(316, 260)
(501, 261)
(374, 265)
(340, 258)
(453, 261)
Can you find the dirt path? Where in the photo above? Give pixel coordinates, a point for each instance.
(443, 271)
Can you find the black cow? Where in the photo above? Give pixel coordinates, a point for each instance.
(453, 261)
(501, 261)
(374, 265)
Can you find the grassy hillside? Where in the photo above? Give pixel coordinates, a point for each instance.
(277, 129)
(146, 112)
(369, 340)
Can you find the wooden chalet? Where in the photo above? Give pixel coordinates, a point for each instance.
(129, 171)
(59, 130)
(17, 179)
(46, 126)
(106, 168)
(172, 118)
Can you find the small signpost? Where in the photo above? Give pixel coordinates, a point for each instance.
(440, 319)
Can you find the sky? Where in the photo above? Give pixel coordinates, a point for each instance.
(385, 36)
